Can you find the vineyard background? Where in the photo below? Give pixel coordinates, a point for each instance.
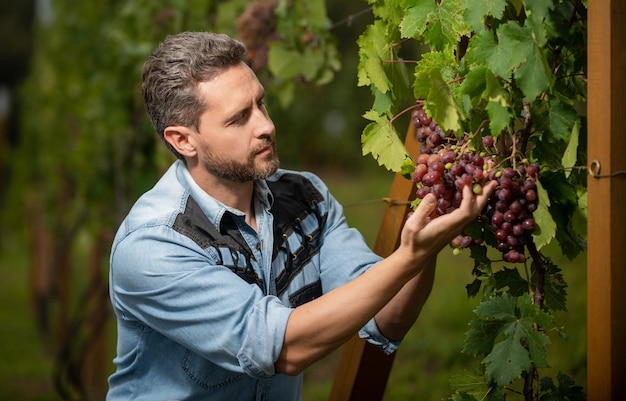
(335, 155)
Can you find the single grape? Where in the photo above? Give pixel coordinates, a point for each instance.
(422, 192)
(509, 216)
(497, 219)
(515, 207)
(477, 189)
(529, 224)
(507, 226)
(513, 256)
(422, 159)
(431, 178)
(419, 172)
(466, 241)
(532, 170)
(508, 172)
(488, 141)
(501, 235)
(439, 189)
(448, 157)
(504, 194)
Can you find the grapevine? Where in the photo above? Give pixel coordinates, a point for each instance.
(446, 164)
(500, 89)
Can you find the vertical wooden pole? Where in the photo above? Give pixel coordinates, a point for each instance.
(363, 368)
(606, 264)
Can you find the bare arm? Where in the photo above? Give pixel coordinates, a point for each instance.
(318, 327)
(397, 317)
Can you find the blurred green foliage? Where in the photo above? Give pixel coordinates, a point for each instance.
(81, 150)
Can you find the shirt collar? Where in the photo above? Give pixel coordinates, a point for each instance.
(213, 208)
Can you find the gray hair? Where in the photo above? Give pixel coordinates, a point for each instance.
(173, 71)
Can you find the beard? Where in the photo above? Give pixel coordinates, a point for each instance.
(254, 168)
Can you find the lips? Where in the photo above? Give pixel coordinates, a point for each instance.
(266, 149)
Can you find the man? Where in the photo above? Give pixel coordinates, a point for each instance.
(231, 276)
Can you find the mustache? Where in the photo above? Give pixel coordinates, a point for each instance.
(267, 142)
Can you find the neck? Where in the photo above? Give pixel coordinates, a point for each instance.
(237, 195)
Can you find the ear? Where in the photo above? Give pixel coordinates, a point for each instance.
(180, 139)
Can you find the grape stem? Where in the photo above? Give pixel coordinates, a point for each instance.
(540, 268)
(418, 105)
(527, 125)
(528, 383)
(472, 136)
(538, 298)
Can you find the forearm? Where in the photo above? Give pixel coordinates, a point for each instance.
(317, 328)
(398, 316)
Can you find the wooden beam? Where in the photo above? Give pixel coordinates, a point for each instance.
(606, 257)
(363, 368)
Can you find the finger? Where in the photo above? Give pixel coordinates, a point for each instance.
(472, 204)
(425, 208)
(483, 197)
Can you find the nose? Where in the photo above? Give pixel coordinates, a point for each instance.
(264, 124)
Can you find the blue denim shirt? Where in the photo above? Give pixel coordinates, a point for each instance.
(202, 300)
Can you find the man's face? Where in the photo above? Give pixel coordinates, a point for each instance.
(236, 137)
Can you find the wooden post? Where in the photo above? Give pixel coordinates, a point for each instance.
(606, 263)
(363, 368)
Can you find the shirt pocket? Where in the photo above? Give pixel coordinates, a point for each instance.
(206, 374)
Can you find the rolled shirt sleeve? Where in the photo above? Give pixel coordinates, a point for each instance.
(345, 255)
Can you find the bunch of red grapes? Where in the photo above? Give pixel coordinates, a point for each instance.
(446, 164)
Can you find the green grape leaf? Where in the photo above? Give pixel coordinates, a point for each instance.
(440, 104)
(497, 307)
(479, 253)
(510, 279)
(381, 140)
(441, 24)
(474, 230)
(315, 11)
(555, 294)
(464, 396)
(473, 288)
(536, 341)
(447, 27)
(283, 62)
(481, 336)
(312, 62)
(566, 390)
(538, 13)
(470, 386)
(562, 119)
(578, 221)
(514, 46)
(476, 11)
(373, 47)
(561, 191)
(571, 152)
(416, 17)
(546, 227)
(508, 358)
(389, 10)
(498, 108)
(474, 84)
(534, 76)
(382, 101)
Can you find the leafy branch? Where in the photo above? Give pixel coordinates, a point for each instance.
(490, 70)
